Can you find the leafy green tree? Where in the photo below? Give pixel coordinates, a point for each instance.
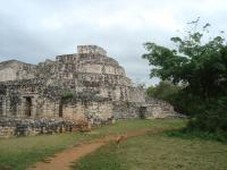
(165, 90)
(202, 66)
(198, 62)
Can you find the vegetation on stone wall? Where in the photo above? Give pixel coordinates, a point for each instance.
(199, 63)
(67, 95)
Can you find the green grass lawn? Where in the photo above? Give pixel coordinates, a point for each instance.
(20, 153)
(158, 152)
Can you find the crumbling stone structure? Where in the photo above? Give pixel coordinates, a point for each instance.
(84, 85)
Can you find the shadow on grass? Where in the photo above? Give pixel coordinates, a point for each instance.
(195, 134)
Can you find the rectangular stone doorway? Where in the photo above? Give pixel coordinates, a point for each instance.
(142, 112)
(1, 107)
(60, 109)
(28, 106)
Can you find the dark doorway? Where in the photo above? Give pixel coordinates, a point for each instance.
(60, 109)
(1, 108)
(28, 106)
(13, 105)
(142, 112)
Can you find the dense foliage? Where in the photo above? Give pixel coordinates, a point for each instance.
(199, 65)
(165, 90)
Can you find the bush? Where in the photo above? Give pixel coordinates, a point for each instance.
(213, 118)
(193, 134)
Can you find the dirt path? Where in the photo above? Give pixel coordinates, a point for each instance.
(64, 159)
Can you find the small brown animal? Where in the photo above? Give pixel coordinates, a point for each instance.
(120, 139)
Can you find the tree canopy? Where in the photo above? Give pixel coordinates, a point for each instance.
(199, 63)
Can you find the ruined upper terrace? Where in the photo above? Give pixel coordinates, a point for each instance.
(91, 49)
(87, 52)
(88, 59)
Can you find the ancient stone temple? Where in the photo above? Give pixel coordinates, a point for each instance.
(81, 85)
(55, 96)
(84, 85)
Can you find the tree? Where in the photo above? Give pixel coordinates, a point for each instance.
(198, 62)
(165, 90)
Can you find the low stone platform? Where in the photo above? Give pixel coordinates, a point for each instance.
(12, 126)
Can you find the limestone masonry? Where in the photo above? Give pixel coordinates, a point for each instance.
(84, 85)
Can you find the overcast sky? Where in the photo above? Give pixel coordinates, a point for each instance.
(35, 30)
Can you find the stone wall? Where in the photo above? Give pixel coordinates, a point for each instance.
(16, 70)
(126, 110)
(11, 126)
(155, 108)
